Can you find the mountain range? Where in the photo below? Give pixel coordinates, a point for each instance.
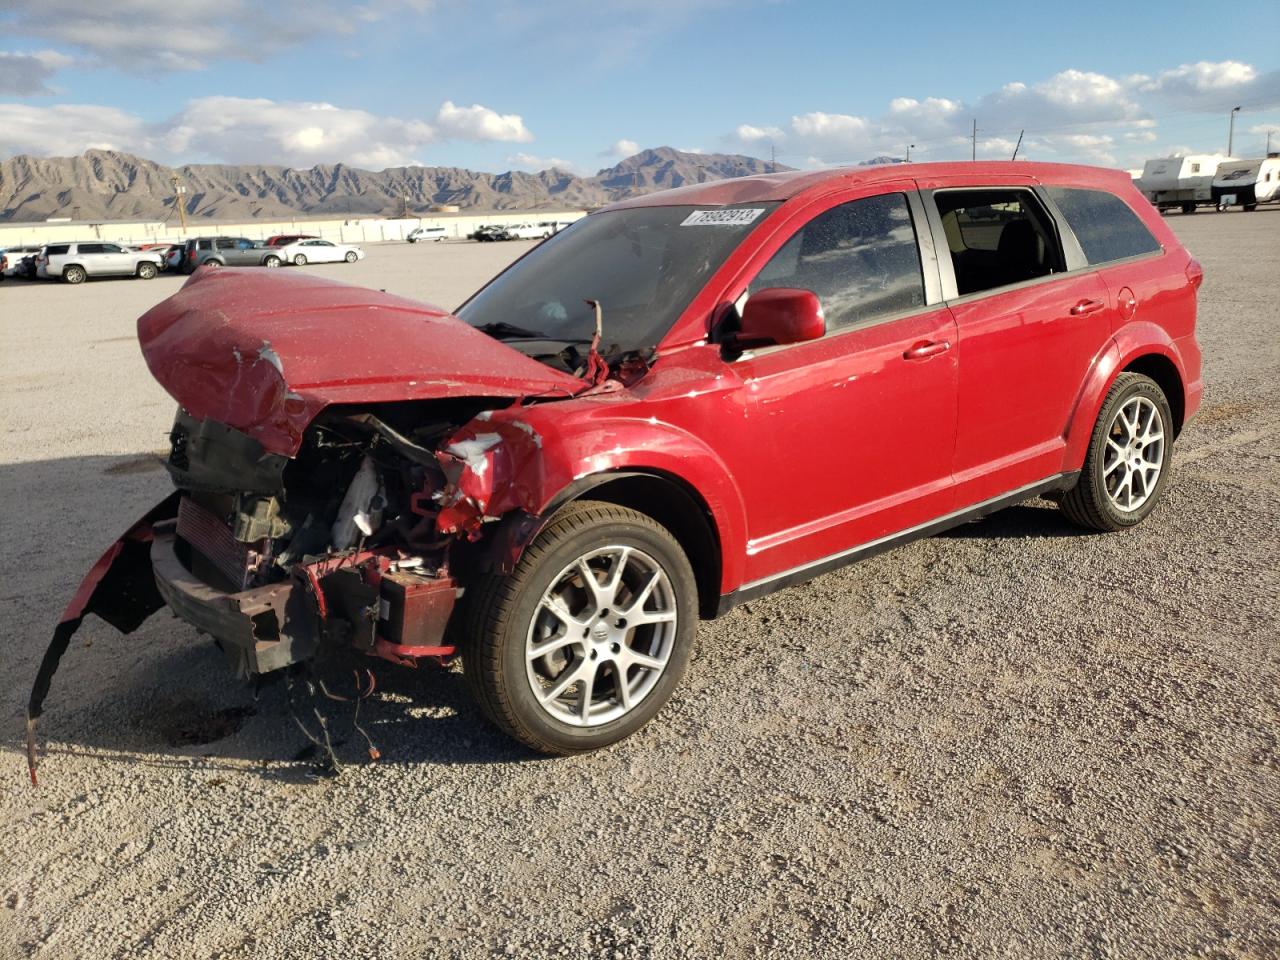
(108, 185)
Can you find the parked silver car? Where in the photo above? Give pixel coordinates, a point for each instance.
(76, 262)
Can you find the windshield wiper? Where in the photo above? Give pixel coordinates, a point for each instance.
(501, 330)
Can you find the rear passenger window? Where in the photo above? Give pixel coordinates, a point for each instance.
(996, 238)
(1104, 224)
(860, 258)
(90, 248)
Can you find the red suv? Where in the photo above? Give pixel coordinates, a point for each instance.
(676, 404)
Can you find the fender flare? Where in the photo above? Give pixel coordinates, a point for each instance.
(1134, 341)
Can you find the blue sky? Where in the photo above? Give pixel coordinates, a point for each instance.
(579, 83)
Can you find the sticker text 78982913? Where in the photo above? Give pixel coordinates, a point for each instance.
(735, 217)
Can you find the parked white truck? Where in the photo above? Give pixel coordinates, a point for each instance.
(1181, 182)
(1247, 183)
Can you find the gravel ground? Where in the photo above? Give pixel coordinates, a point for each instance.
(1013, 740)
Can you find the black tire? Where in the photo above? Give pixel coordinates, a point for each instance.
(500, 611)
(1188, 208)
(351, 257)
(271, 261)
(299, 260)
(1250, 207)
(74, 274)
(1088, 504)
(147, 270)
(211, 263)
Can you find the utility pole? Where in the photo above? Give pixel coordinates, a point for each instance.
(1017, 145)
(1268, 153)
(773, 159)
(974, 155)
(1231, 131)
(178, 192)
(910, 147)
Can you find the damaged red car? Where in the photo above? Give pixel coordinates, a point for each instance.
(678, 403)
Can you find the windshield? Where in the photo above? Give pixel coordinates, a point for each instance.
(644, 265)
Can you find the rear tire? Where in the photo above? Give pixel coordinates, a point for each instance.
(1250, 207)
(299, 260)
(1188, 208)
(546, 602)
(1128, 462)
(74, 274)
(272, 261)
(147, 271)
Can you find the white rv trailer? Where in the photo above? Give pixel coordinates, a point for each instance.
(1247, 183)
(1182, 182)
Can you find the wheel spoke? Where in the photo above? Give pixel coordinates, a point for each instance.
(556, 607)
(621, 686)
(639, 619)
(585, 688)
(563, 639)
(614, 581)
(646, 661)
(567, 680)
(641, 598)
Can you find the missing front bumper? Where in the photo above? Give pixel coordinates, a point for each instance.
(261, 629)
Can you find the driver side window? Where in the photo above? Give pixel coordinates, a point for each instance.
(860, 258)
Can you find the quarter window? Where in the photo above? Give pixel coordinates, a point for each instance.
(1105, 226)
(860, 258)
(996, 238)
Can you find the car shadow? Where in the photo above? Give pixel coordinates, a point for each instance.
(1034, 520)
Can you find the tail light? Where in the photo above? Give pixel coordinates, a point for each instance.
(1195, 273)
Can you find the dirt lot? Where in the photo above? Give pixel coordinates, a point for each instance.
(1014, 740)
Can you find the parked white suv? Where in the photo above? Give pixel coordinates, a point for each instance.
(76, 262)
(527, 231)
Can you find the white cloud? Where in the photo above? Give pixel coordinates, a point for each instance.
(480, 123)
(69, 129)
(149, 36)
(749, 134)
(621, 148)
(1074, 114)
(27, 74)
(240, 130)
(536, 164)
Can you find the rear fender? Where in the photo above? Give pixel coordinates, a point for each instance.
(119, 588)
(1132, 341)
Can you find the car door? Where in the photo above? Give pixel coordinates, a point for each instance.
(241, 253)
(852, 434)
(113, 260)
(1030, 319)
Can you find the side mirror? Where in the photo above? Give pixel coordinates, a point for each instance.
(778, 316)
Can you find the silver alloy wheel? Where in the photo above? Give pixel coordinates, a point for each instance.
(601, 636)
(1134, 454)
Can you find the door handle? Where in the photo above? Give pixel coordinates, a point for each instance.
(925, 349)
(1086, 306)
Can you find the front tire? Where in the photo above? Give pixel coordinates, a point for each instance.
(585, 641)
(1127, 466)
(351, 257)
(147, 271)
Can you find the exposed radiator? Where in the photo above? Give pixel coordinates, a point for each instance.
(210, 535)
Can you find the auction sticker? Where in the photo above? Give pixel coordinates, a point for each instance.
(737, 217)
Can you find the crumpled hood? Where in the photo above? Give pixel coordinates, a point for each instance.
(265, 351)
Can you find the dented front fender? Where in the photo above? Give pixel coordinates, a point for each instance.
(119, 588)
